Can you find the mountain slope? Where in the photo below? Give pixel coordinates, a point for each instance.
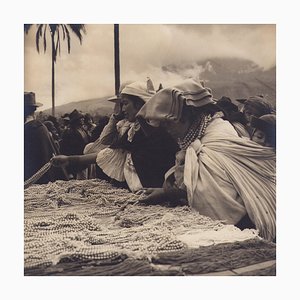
(231, 77)
(97, 106)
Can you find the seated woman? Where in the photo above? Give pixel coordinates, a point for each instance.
(137, 158)
(218, 173)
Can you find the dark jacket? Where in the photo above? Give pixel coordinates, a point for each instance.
(152, 155)
(72, 143)
(38, 150)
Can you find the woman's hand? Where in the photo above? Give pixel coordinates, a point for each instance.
(153, 196)
(60, 161)
(118, 113)
(172, 197)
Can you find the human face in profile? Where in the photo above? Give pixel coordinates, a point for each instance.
(129, 108)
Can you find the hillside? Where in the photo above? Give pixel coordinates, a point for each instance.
(231, 77)
(97, 106)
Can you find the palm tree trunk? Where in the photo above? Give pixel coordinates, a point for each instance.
(117, 58)
(53, 73)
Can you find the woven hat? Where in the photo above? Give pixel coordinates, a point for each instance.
(29, 100)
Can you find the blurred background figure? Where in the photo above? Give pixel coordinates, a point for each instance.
(255, 106)
(74, 138)
(65, 122)
(99, 128)
(56, 124)
(54, 134)
(233, 115)
(38, 144)
(89, 124)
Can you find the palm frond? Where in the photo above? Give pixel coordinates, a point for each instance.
(37, 37)
(45, 40)
(53, 28)
(68, 38)
(27, 27)
(57, 47)
(77, 28)
(64, 31)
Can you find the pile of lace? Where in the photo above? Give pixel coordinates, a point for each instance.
(91, 219)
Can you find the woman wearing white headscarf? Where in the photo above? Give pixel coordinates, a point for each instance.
(217, 173)
(131, 156)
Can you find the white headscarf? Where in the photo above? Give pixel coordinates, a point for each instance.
(141, 89)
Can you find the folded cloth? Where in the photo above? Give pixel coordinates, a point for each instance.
(112, 162)
(167, 104)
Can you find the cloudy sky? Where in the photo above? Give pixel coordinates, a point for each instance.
(88, 71)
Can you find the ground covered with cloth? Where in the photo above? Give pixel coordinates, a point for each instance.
(89, 227)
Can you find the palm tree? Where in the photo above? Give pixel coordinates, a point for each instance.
(117, 58)
(56, 31)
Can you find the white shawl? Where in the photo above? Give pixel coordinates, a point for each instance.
(226, 175)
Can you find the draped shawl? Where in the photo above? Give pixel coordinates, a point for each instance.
(224, 175)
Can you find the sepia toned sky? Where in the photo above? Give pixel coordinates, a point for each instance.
(88, 71)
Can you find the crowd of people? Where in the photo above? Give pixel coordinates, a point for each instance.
(177, 146)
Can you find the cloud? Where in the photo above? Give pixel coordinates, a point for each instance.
(88, 71)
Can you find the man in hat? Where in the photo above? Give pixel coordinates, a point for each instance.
(75, 138)
(38, 146)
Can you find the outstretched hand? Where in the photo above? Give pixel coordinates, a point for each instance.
(60, 161)
(153, 196)
(171, 197)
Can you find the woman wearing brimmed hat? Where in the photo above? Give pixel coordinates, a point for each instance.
(217, 173)
(38, 144)
(132, 156)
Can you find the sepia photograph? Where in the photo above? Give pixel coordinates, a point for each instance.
(149, 150)
(146, 160)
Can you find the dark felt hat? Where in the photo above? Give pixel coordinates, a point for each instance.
(226, 104)
(260, 104)
(29, 100)
(75, 115)
(66, 117)
(266, 123)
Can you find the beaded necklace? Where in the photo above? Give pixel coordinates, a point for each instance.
(195, 131)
